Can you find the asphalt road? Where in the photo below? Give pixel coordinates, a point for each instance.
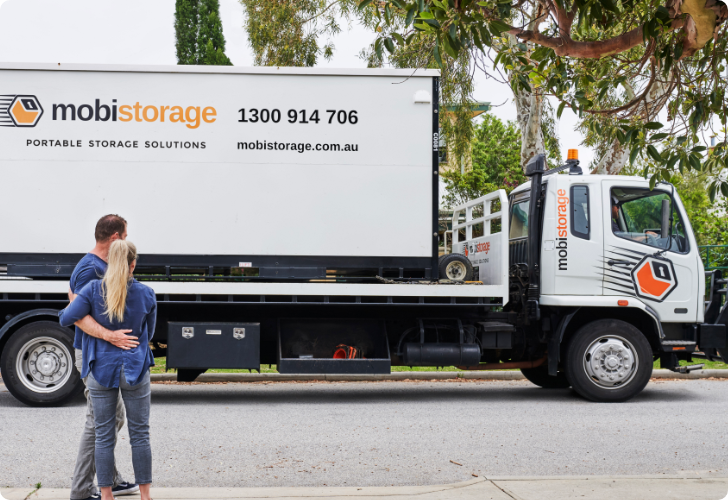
(385, 433)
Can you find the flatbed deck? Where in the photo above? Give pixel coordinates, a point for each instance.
(10, 286)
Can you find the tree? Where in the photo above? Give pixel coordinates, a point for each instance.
(287, 32)
(616, 63)
(199, 34)
(496, 152)
(185, 27)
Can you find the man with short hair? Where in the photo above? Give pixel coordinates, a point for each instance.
(92, 267)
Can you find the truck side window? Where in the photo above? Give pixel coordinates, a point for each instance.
(519, 219)
(580, 211)
(636, 215)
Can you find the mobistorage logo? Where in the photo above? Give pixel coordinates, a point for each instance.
(19, 110)
(191, 116)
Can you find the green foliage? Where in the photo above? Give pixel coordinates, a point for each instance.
(185, 27)
(582, 52)
(211, 42)
(287, 32)
(199, 36)
(496, 153)
(708, 219)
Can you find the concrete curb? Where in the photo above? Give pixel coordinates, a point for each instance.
(647, 487)
(398, 376)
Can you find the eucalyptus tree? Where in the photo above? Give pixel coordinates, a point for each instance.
(616, 63)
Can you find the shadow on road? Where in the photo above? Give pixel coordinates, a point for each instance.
(438, 392)
(238, 393)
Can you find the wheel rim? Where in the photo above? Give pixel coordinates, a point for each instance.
(44, 365)
(455, 271)
(611, 362)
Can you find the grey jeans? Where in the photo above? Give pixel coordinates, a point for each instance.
(137, 400)
(82, 485)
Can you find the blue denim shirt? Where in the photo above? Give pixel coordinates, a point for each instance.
(102, 358)
(89, 268)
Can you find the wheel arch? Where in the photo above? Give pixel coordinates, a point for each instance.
(632, 315)
(20, 320)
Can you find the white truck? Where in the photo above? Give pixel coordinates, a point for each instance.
(283, 212)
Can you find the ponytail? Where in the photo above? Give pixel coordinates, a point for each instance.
(114, 285)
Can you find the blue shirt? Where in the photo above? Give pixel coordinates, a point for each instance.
(102, 358)
(88, 269)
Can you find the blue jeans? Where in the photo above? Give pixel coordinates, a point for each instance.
(137, 401)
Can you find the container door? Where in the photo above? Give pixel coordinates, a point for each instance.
(638, 260)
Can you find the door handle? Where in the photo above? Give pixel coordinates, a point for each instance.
(617, 262)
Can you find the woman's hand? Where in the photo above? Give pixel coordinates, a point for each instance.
(120, 339)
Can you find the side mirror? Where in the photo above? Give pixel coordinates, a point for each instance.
(664, 230)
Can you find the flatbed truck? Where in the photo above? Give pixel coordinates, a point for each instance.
(283, 212)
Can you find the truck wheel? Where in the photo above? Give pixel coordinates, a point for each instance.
(456, 267)
(540, 377)
(38, 365)
(608, 361)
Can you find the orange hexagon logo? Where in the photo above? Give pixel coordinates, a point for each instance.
(25, 110)
(654, 278)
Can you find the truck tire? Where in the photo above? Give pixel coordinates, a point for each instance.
(608, 361)
(37, 365)
(540, 376)
(455, 267)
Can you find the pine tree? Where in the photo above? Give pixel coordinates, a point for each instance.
(199, 33)
(185, 27)
(211, 42)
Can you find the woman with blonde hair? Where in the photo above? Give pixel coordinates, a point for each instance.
(118, 302)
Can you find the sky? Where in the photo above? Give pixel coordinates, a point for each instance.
(142, 32)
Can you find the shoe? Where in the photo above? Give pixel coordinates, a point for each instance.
(125, 489)
(97, 496)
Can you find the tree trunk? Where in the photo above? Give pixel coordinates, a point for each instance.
(613, 160)
(529, 108)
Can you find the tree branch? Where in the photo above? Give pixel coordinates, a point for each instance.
(589, 50)
(322, 12)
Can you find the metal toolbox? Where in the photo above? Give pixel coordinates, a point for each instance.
(213, 345)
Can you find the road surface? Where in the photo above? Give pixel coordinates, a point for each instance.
(385, 433)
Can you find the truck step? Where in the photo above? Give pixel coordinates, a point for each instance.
(688, 369)
(495, 326)
(678, 342)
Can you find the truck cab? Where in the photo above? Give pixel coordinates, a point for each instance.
(605, 276)
(602, 239)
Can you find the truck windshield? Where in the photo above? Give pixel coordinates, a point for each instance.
(519, 220)
(637, 216)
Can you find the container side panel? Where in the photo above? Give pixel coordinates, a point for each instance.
(322, 165)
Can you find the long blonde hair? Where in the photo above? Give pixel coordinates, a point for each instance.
(114, 285)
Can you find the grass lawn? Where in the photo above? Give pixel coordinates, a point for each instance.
(162, 365)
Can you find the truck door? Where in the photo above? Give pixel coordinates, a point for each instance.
(572, 237)
(637, 260)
